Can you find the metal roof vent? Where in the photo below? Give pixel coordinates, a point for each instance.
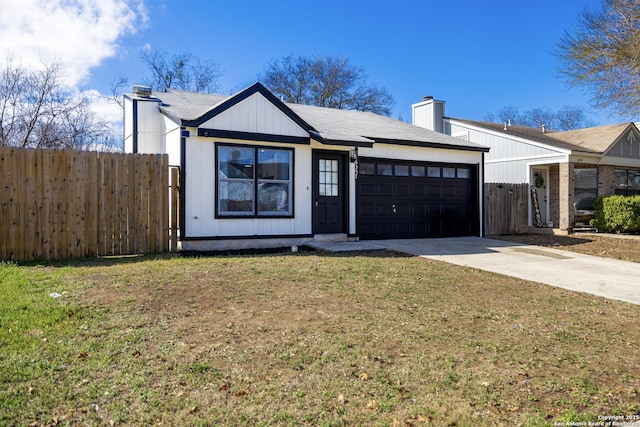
(142, 91)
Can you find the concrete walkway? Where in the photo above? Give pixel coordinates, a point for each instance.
(609, 278)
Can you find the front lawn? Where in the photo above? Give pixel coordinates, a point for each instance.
(306, 339)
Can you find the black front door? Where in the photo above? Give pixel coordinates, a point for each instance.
(329, 190)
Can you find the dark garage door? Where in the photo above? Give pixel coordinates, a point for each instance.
(400, 200)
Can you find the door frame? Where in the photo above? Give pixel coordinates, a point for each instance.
(343, 187)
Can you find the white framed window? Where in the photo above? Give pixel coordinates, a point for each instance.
(254, 181)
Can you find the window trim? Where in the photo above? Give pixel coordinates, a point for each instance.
(256, 182)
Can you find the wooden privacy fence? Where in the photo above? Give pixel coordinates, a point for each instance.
(505, 208)
(62, 204)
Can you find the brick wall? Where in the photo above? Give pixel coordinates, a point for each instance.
(565, 195)
(606, 180)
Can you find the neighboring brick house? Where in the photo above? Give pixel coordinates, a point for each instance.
(568, 169)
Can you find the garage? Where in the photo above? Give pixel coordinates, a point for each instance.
(403, 200)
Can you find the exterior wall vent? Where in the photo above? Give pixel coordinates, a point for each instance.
(142, 91)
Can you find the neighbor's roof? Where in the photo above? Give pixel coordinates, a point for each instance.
(323, 124)
(595, 140)
(598, 139)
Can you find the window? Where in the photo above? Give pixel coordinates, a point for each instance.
(585, 187)
(448, 172)
(384, 169)
(365, 168)
(433, 172)
(417, 171)
(328, 180)
(463, 173)
(254, 181)
(627, 182)
(402, 170)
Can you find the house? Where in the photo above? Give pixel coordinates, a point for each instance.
(258, 172)
(565, 170)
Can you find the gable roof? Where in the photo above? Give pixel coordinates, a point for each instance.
(326, 125)
(596, 140)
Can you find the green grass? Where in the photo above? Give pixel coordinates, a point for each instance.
(306, 339)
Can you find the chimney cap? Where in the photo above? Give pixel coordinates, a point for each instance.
(141, 91)
(427, 98)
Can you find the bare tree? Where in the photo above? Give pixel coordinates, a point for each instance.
(507, 114)
(180, 71)
(37, 111)
(572, 117)
(567, 118)
(325, 82)
(603, 56)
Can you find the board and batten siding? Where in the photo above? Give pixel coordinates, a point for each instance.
(258, 115)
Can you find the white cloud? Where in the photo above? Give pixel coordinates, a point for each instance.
(77, 33)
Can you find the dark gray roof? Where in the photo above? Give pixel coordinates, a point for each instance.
(328, 125)
(347, 124)
(596, 139)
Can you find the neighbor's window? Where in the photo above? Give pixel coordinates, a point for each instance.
(585, 187)
(627, 182)
(254, 181)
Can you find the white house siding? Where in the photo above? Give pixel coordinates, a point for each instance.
(128, 125)
(149, 126)
(516, 171)
(171, 140)
(421, 154)
(200, 195)
(258, 115)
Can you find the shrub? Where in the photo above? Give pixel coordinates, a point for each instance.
(619, 214)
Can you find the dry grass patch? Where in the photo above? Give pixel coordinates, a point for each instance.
(315, 339)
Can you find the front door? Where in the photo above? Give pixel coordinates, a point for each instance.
(539, 180)
(329, 190)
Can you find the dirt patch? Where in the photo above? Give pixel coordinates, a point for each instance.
(624, 248)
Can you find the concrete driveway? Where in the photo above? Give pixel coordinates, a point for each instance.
(608, 278)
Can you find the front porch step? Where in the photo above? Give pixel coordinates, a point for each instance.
(334, 237)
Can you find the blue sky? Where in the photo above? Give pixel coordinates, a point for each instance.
(477, 56)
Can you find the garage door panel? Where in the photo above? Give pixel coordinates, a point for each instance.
(402, 190)
(418, 209)
(385, 189)
(402, 209)
(402, 230)
(434, 190)
(367, 189)
(384, 209)
(418, 190)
